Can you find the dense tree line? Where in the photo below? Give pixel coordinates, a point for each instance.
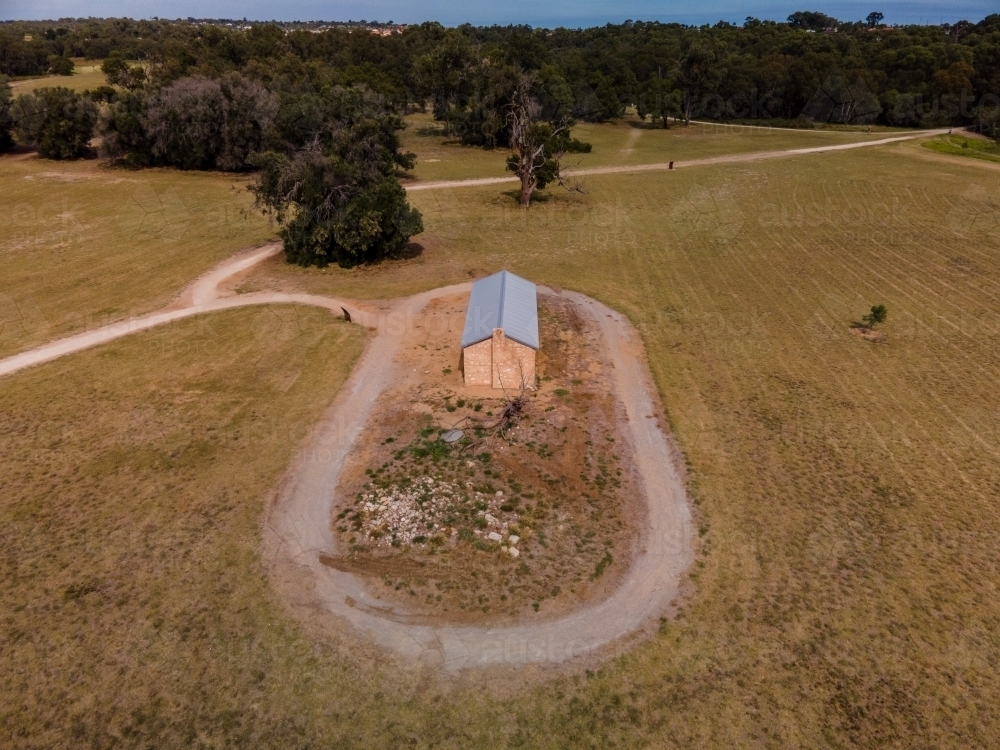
(194, 122)
(58, 122)
(912, 75)
(6, 116)
(328, 156)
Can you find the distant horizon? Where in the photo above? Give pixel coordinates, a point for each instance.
(552, 14)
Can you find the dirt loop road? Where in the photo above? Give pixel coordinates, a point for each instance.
(298, 530)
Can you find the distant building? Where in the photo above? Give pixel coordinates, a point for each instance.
(500, 338)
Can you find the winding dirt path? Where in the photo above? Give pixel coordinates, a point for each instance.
(297, 531)
(661, 166)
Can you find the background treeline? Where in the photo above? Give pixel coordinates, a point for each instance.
(913, 75)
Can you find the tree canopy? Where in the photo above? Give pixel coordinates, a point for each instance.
(337, 197)
(919, 75)
(6, 118)
(56, 121)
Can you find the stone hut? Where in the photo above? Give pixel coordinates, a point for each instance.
(500, 338)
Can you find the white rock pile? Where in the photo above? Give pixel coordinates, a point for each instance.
(400, 515)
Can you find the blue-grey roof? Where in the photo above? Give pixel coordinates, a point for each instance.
(505, 301)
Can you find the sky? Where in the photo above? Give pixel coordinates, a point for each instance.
(546, 13)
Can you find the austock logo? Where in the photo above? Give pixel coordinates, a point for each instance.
(21, 319)
(976, 213)
(30, 226)
(285, 324)
(707, 213)
(841, 103)
(151, 215)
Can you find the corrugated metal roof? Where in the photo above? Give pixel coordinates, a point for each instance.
(505, 301)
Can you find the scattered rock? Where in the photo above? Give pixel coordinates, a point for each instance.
(414, 513)
(513, 552)
(494, 536)
(513, 539)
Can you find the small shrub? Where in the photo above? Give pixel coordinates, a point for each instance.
(60, 66)
(602, 565)
(878, 314)
(104, 94)
(120, 73)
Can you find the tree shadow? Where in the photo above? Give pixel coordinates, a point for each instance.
(536, 197)
(654, 125)
(868, 333)
(19, 152)
(411, 250)
(551, 192)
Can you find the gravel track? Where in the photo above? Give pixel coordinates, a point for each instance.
(661, 166)
(298, 530)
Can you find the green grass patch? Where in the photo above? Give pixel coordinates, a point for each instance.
(87, 75)
(961, 145)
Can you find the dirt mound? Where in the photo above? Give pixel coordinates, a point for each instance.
(527, 524)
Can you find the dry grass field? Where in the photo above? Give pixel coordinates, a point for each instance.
(135, 607)
(845, 589)
(87, 75)
(84, 245)
(624, 142)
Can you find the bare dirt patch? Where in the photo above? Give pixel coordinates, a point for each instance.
(523, 526)
(868, 334)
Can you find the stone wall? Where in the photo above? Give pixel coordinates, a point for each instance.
(477, 363)
(499, 362)
(513, 363)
